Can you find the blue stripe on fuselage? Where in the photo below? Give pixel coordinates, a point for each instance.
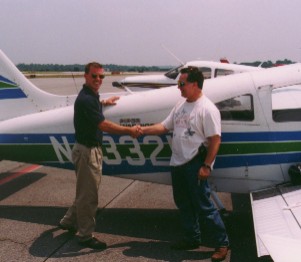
(226, 137)
(223, 161)
(261, 136)
(33, 138)
(11, 93)
(256, 160)
(123, 168)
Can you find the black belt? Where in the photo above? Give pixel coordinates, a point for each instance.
(201, 156)
(89, 144)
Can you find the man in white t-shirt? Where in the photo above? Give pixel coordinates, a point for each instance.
(196, 126)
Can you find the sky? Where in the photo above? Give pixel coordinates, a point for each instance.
(149, 32)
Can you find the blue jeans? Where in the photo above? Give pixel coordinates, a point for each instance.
(192, 197)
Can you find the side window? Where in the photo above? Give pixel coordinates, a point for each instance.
(286, 104)
(222, 72)
(287, 115)
(239, 108)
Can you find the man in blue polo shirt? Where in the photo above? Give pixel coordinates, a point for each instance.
(89, 124)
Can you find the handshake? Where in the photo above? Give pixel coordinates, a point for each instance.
(136, 131)
(156, 129)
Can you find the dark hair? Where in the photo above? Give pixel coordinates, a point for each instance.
(92, 64)
(194, 75)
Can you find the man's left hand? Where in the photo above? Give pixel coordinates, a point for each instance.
(203, 173)
(111, 101)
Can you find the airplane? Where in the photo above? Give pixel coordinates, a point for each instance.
(209, 69)
(261, 139)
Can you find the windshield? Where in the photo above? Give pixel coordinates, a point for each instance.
(173, 73)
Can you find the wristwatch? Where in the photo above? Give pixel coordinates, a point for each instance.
(207, 166)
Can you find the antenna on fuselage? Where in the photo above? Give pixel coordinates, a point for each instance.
(173, 55)
(74, 82)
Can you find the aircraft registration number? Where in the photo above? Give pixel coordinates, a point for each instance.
(119, 148)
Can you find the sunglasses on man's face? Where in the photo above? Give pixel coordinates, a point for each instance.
(94, 76)
(181, 84)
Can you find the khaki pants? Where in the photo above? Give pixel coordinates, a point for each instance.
(88, 169)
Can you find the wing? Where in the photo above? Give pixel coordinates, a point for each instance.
(277, 222)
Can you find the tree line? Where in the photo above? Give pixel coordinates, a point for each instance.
(81, 68)
(126, 68)
(267, 64)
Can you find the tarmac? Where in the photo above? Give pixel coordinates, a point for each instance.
(138, 220)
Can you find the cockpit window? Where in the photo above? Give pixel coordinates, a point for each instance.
(240, 108)
(173, 73)
(222, 72)
(206, 72)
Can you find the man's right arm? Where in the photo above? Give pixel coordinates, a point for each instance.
(113, 128)
(156, 129)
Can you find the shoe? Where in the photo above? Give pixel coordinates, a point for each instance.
(71, 229)
(185, 245)
(219, 254)
(93, 243)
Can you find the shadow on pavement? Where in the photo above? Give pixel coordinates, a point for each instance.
(15, 185)
(156, 228)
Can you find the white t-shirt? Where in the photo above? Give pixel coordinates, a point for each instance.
(192, 123)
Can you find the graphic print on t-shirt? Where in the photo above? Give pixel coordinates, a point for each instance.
(182, 121)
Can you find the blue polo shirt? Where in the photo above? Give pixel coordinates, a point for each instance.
(87, 116)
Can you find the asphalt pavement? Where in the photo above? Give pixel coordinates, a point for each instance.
(138, 220)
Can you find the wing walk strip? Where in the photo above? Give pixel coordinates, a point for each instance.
(277, 222)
